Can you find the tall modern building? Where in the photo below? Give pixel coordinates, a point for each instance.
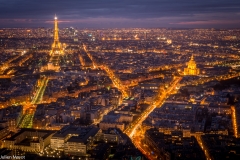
(191, 68)
(57, 50)
(145, 36)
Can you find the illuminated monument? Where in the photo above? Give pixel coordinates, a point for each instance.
(56, 46)
(191, 68)
(57, 50)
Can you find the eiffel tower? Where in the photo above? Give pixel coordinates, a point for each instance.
(56, 50)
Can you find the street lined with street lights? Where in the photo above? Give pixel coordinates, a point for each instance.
(116, 81)
(131, 130)
(27, 119)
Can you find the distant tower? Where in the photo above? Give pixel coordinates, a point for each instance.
(57, 50)
(191, 68)
(56, 46)
(145, 36)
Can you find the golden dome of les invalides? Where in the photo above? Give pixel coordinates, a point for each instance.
(191, 68)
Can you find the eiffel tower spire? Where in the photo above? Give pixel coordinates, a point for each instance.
(56, 38)
(56, 46)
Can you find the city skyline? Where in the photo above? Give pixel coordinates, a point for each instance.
(124, 14)
(119, 93)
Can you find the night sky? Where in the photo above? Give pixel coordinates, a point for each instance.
(121, 13)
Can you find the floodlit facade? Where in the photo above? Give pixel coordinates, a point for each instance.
(29, 140)
(74, 140)
(191, 68)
